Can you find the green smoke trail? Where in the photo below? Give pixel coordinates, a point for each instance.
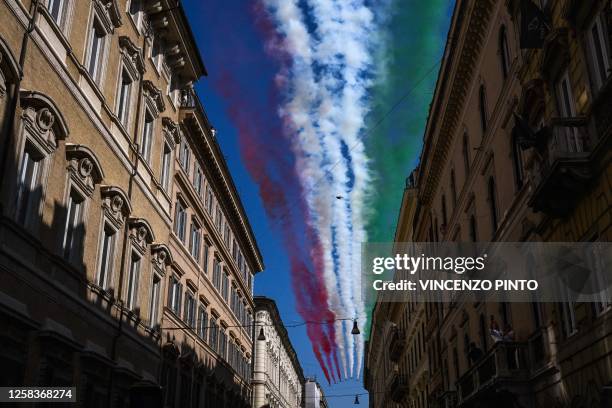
(416, 36)
(415, 39)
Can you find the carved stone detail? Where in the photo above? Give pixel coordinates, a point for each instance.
(172, 131)
(84, 167)
(115, 204)
(132, 55)
(141, 233)
(155, 96)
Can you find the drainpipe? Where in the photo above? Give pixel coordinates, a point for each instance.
(11, 110)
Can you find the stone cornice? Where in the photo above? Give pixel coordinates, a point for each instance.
(449, 105)
(216, 169)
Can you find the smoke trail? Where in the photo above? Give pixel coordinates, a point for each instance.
(325, 86)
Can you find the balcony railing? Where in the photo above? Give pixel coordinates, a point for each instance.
(563, 170)
(397, 344)
(448, 399)
(507, 360)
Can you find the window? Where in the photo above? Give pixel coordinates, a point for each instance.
(223, 344)
(568, 316)
(125, 91)
(465, 150)
(195, 241)
(175, 292)
(214, 333)
(198, 180)
(225, 287)
(56, 9)
(206, 251)
(209, 199)
(567, 109)
(598, 59)
(217, 274)
(180, 221)
(185, 155)
(165, 170)
(218, 218)
(202, 322)
(97, 42)
(157, 54)
(482, 106)
(29, 176)
(473, 229)
(226, 234)
(136, 12)
(132, 291)
(73, 233)
(147, 136)
(492, 204)
(154, 306)
(190, 309)
(504, 51)
(107, 254)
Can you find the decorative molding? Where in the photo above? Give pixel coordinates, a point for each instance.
(141, 233)
(155, 97)
(43, 120)
(161, 255)
(84, 167)
(172, 132)
(115, 204)
(132, 56)
(108, 13)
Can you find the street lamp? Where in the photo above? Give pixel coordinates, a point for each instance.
(356, 399)
(261, 336)
(355, 328)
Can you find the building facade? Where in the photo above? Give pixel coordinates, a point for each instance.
(516, 148)
(314, 396)
(126, 256)
(278, 380)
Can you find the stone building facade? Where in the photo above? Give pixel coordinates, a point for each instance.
(126, 256)
(516, 148)
(278, 380)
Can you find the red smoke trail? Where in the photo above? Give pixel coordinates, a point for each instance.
(266, 152)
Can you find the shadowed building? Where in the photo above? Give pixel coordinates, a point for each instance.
(278, 380)
(516, 148)
(125, 253)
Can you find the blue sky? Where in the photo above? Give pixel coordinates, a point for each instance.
(240, 85)
(222, 29)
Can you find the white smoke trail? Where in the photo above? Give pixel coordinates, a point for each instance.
(327, 106)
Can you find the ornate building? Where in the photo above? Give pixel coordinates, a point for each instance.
(516, 148)
(278, 380)
(126, 256)
(314, 396)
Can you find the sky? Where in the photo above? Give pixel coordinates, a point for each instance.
(319, 107)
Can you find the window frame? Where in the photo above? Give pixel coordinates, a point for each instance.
(133, 277)
(166, 166)
(71, 228)
(124, 115)
(598, 79)
(99, 67)
(109, 262)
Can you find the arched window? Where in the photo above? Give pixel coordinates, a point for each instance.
(465, 149)
(473, 234)
(482, 106)
(504, 51)
(492, 203)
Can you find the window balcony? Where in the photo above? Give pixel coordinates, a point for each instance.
(448, 399)
(397, 344)
(563, 172)
(504, 367)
